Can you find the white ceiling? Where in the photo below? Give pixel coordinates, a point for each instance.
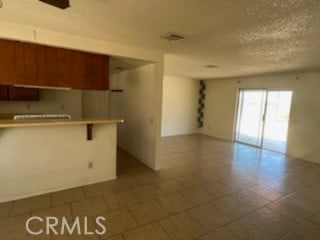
(243, 37)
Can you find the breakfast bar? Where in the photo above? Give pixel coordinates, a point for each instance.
(42, 156)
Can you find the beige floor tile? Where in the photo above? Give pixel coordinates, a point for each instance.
(89, 207)
(308, 230)
(292, 236)
(301, 201)
(171, 185)
(263, 192)
(315, 219)
(190, 180)
(141, 170)
(209, 216)
(75, 236)
(67, 196)
(168, 173)
(118, 237)
(118, 221)
(98, 189)
(148, 178)
(197, 195)
(245, 231)
(147, 192)
(219, 234)
(30, 204)
(175, 203)
(13, 228)
(182, 227)
(297, 214)
(147, 212)
(220, 190)
(238, 182)
(124, 183)
(262, 224)
(120, 199)
(59, 212)
(237, 205)
(149, 232)
(5, 209)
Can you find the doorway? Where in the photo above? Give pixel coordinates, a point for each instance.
(263, 118)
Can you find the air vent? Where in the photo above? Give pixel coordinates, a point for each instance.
(210, 66)
(119, 68)
(173, 37)
(62, 4)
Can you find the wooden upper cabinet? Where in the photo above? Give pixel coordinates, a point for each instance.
(90, 71)
(37, 65)
(11, 62)
(46, 66)
(4, 93)
(78, 71)
(34, 63)
(63, 64)
(97, 71)
(22, 94)
(11, 93)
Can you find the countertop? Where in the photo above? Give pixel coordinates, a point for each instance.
(45, 122)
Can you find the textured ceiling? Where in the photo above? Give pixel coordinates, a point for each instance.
(243, 37)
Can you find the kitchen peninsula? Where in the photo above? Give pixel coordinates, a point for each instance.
(42, 156)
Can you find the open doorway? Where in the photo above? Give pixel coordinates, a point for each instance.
(263, 118)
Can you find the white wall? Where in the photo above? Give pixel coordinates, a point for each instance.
(136, 105)
(51, 101)
(37, 160)
(179, 106)
(304, 127)
(95, 104)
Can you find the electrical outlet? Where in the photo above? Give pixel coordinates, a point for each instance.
(90, 165)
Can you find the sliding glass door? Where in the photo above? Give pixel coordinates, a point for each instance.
(277, 120)
(263, 118)
(250, 116)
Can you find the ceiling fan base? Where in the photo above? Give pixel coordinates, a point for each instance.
(62, 4)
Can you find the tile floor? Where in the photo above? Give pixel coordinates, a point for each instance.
(207, 189)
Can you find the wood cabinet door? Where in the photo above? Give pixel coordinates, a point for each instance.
(47, 66)
(51, 67)
(37, 65)
(97, 71)
(4, 93)
(64, 68)
(34, 64)
(78, 71)
(23, 94)
(11, 62)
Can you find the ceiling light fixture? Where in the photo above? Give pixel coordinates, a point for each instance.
(173, 37)
(62, 4)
